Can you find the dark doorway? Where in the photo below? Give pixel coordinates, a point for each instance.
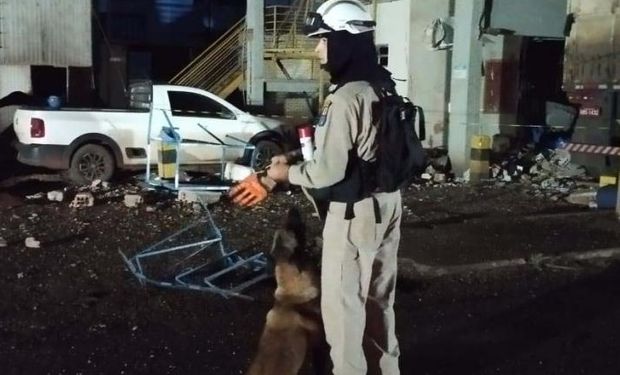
(48, 80)
(540, 80)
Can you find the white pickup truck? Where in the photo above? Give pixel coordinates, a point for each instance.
(92, 143)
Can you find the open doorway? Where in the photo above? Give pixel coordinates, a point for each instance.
(540, 81)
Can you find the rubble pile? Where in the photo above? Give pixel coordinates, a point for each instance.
(550, 172)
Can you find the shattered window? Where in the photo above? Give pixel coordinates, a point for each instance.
(188, 104)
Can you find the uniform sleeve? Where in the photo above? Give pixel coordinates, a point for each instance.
(333, 140)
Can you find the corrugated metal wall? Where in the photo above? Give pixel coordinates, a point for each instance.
(46, 32)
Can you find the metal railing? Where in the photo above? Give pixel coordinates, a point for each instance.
(284, 26)
(219, 65)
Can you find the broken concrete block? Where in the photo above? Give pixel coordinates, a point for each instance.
(426, 176)
(192, 196)
(236, 172)
(582, 198)
(82, 200)
(3, 242)
(506, 176)
(132, 200)
(439, 178)
(188, 196)
(31, 243)
(55, 195)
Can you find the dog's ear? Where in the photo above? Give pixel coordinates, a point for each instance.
(284, 244)
(295, 224)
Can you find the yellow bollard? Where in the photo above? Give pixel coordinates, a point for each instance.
(479, 158)
(607, 179)
(166, 160)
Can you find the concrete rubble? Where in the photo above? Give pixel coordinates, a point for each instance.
(549, 172)
(55, 196)
(193, 196)
(83, 199)
(32, 243)
(132, 200)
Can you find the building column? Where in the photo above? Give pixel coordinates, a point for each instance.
(255, 39)
(466, 81)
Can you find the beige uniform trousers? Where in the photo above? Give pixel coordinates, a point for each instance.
(358, 280)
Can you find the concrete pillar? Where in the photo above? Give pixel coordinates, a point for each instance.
(255, 39)
(428, 82)
(466, 82)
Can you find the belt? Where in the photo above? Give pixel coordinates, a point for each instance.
(349, 208)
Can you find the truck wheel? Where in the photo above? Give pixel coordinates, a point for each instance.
(91, 162)
(262, 154)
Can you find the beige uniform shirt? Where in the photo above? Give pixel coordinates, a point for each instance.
(346, 122)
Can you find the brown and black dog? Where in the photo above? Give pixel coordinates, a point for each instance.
(293, 326)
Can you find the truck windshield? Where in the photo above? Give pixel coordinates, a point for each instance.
(188, 104)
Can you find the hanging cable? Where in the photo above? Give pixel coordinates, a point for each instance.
(436, 34)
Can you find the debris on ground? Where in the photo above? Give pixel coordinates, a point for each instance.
(34, 196)
(55, 196)
(583, 198)
(132, 200)
(193, 196)
(83, 199)
(3, 242)
(32, 243)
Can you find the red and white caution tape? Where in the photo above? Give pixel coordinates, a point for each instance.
(592, 149)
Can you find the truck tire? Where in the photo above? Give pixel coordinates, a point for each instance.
(262, 154)
(91, 162)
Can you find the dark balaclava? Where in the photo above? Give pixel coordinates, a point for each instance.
(352, 57)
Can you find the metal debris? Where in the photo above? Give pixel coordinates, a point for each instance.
(194, 258)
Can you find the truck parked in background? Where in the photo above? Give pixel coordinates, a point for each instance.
(592, 76)
(92, 143)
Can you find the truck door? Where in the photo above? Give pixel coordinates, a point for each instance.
(202, 123)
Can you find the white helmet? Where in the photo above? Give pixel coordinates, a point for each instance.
(337, 15)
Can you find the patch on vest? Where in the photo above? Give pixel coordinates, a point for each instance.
(324, 111)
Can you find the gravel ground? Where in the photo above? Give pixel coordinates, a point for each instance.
(71, 306)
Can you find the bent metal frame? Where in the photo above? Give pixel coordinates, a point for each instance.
(194, 258)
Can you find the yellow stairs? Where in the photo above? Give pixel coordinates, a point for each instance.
(220, 68)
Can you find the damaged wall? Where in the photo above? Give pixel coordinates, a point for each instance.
(421, 73)
(46, 32)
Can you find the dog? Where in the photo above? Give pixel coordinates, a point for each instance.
(293, 326)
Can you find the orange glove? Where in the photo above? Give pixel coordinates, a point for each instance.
(251, 190)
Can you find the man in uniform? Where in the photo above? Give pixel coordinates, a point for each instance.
(362, 225)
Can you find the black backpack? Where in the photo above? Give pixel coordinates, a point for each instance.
(400, 155)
